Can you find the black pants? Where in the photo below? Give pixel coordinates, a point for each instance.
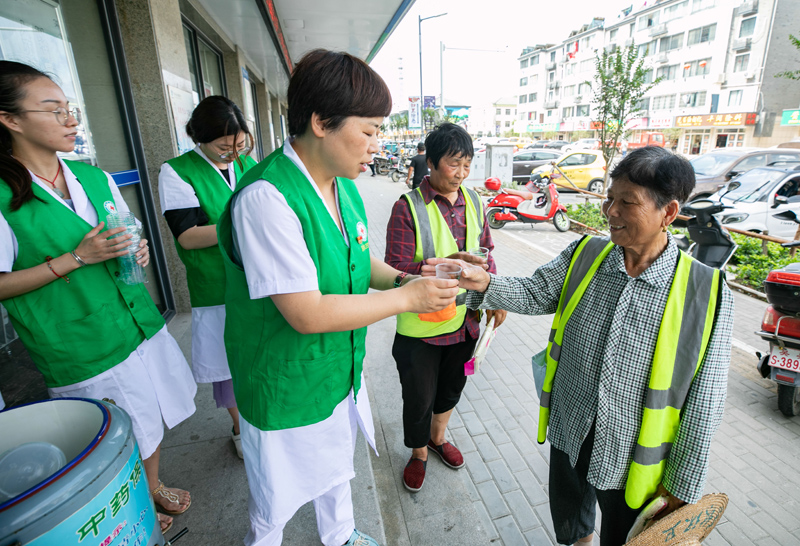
(372, 168)
(572, 501)
(432, 377)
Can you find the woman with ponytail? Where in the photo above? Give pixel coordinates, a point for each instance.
(194, 189)
(90, 334)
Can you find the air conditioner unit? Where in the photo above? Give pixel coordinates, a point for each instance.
(628, 42)
(662, 58)
(611, 48)
(750, 7)
(741, 44)
(750, 75)
(550, 66)
(721, 78)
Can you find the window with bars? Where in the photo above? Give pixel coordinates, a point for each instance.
(747, 27)
(702, 35)
(693, 99)
(740, 62)
(667, 72)
(664, 102)
(668, 43)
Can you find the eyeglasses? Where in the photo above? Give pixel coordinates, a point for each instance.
(61, 113)
(232, 153)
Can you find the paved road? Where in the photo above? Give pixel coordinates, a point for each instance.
(501, 497)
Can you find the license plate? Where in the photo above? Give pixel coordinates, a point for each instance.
(784, 358)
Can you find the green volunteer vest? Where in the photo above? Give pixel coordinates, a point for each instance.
(74, 331)
(680, 347)
(205, 272)
(283, 379)
(434, 239)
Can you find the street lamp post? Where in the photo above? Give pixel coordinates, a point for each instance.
(421, 96)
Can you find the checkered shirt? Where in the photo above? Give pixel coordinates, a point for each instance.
(604, 368)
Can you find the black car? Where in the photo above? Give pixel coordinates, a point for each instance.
(537, 144)
(527, 160)
(556, 144)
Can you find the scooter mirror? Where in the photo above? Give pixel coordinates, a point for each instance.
(731, 186)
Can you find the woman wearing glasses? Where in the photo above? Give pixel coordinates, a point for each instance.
(90, 334)
(194, 188)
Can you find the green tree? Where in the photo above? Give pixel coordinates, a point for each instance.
(619, 85)
(791, 74)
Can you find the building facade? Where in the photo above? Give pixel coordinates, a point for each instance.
(716, 58)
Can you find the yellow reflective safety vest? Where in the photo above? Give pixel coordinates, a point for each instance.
(681, 345)
(434, 239)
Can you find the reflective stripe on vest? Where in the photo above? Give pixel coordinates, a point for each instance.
(434, 238)
(680, 348)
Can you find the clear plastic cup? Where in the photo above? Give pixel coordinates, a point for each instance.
(130, 272)
(28, 465)
(481, 251)
(448, 271)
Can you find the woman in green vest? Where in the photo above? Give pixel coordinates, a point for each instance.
(90, 334)
(637, 358)
(194, 188)
(298, 268)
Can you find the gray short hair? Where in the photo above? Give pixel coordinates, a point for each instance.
(665, 175)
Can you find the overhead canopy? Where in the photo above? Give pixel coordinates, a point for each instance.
(276, 33)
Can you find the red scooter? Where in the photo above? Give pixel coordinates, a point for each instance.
(508, 207)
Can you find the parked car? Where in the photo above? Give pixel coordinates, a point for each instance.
(714, 169)
(764, 192)
(585, 168)
(583, 144)
(640, 140)
(538, 144)
(527, 160)
(520, 142)
(556, 144)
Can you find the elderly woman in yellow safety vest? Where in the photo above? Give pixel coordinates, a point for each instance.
(636, 360)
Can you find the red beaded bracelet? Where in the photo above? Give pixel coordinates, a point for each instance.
(48, 258)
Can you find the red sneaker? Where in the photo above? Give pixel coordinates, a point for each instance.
(449, 454)
(414, 474)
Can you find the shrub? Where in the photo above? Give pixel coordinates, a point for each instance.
(589, 214)
(750, 266)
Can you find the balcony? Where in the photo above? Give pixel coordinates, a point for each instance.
(749, 7)
(610, 48)
(742, 44)
(628, 42)
(662, 58)
(553, 85)
(658, 30)
(550, 104)
(550, 66)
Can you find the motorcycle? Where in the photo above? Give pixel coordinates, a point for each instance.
(544, 205)
(710, 243)
(382, 164)
(399, 169)
(780, 327)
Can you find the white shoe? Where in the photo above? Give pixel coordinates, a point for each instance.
(237, 441)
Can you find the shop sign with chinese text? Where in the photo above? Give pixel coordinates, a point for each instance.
(790, 118)
(717, 120)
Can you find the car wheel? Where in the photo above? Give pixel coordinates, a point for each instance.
(595, 186)
(789, 400)
(494, 224)
(561, 221)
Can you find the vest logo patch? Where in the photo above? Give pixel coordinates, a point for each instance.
(110, 208)
(361, 231)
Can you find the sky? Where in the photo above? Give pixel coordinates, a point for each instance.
(504, 27)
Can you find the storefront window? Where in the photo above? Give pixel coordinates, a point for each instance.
(32, 32)
(205, 65)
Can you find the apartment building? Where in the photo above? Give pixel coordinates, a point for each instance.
(717, 60)
(493, 119)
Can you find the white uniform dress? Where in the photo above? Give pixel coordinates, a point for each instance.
(154, 384)
(288, 468)
(209, 361)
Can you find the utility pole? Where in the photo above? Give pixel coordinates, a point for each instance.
(421, 96)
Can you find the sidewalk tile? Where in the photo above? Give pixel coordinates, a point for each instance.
(480, 382)
(543, 512)
(462, 440)
(470, 486)
(538, 537)
(787, 512)
(523, 443)
(482, 409)
(464, 406)
(522, 511)
(485, 521)
(455, 420)
(471, 392)
(472, 422)
(531, 487)
(493, 500)
(476, 467)
(486, 447)
(746, 525)
(540, 468)
(493, 399)
(495, 430)
(775, 530)
(512, 457)
(509, 532)
(502, 476)
(715, 539)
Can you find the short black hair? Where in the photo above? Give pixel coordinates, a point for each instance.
(447, 140)
(335, 86)
(420, 146)
(214, 117)
(665, 175)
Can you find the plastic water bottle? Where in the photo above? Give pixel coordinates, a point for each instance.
(130, 272)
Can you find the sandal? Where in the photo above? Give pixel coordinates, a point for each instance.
(164, 528)
(163, 492)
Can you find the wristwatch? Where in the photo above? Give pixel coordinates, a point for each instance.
(399, 279)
